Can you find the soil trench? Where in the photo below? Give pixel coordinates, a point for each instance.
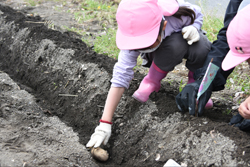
(50, 114)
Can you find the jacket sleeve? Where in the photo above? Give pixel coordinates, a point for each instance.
(123, 70)
(219, 50)
(199, 16)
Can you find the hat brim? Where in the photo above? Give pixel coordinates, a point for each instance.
(124, 42)
(233, 59)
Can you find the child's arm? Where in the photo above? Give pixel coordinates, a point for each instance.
(103, 130)
(112, 101)
(122, 75)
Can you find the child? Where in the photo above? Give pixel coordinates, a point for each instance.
(163, 32)
(238, 37)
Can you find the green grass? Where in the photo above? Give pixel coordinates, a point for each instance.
(211, 24)
(106, 44)
(32, 2)
(227, 112)
(93, 5)
(93, 10)
(238, 82)
(181, 86)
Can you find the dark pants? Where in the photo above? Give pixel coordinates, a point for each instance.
(174, 49)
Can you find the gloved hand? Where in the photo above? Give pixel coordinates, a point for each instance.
(101, 135)
(240, 122)
(191, 34)
(186, 99)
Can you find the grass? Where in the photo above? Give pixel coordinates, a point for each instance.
(238, 81)
(106, 44)
(103, 12)
(32, 2)
(211, 24)
(181, 86)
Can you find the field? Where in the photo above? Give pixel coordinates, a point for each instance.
(53, 88)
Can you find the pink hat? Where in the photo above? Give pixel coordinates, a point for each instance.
(139, 22)
(238, 38)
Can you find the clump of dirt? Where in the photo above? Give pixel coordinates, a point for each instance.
(67, 84)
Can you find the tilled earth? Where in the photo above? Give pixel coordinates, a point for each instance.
(53, 89)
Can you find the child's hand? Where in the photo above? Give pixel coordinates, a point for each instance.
(191, 34)
(101, 135)
(244, 109)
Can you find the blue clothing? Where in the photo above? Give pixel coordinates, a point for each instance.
(123, 70)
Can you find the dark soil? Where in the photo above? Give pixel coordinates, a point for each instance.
(62, 85)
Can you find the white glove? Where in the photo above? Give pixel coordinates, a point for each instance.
(101, 135)
(191, 34)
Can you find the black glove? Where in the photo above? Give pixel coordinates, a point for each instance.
(186, 99)
(240, 122)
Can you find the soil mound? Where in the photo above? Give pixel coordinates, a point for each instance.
(55, 97)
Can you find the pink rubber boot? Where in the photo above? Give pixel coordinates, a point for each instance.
(191, 80)
(150, 83)
(190, 77)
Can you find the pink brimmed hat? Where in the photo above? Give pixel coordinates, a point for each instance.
(238, 38)
(139, 22)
